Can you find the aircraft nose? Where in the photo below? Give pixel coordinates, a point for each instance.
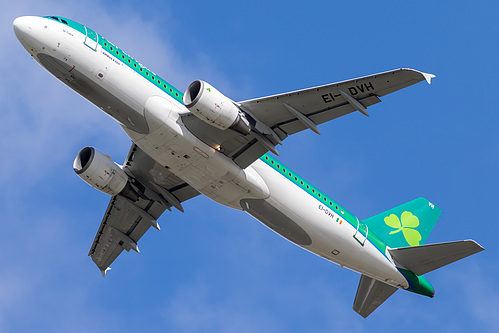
(22, 27)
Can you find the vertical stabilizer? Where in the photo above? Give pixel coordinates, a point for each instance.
(409, 224)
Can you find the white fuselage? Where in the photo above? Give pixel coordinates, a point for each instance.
(151, 118)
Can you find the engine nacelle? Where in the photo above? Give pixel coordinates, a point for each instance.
(211, 106)
(100, 172)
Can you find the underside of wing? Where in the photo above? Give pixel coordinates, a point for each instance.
(274, 118)
(126, 221)
(243, 149)
(327, 102)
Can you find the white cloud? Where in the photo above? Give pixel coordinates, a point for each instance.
(196, 308)
(262, 306)
(481, 299)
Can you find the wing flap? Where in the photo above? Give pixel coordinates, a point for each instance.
(270, 110)
(293, 126)
(370, 295)
(278, 116)
(121, 217)
(125, 222)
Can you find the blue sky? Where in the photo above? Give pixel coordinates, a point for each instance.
(213, 269)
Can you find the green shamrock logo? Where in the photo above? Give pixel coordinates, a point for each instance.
(407, 225)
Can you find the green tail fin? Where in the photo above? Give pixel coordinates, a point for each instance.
(409, 224)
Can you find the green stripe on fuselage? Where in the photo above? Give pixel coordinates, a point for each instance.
(344, 214)
(125, 59)
(177, 95)
(139, 68)
(419, 284)
(75, 25)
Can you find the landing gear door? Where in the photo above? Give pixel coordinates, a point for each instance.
(91, 39)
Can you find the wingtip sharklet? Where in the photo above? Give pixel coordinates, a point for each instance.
(104, 271)
(428, 77)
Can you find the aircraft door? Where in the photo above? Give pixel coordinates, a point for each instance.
(361, 233)
(91, 39)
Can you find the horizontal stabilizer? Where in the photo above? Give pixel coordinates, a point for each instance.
(371, 293)
(426, 258)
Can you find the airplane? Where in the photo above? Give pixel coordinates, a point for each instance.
(202, 142)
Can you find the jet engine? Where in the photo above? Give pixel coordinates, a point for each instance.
(100, 172)
(211, 106)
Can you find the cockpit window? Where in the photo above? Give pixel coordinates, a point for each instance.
(58, 19)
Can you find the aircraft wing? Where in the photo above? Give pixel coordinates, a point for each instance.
(327, 102)
(125, 221)
(273, 118)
